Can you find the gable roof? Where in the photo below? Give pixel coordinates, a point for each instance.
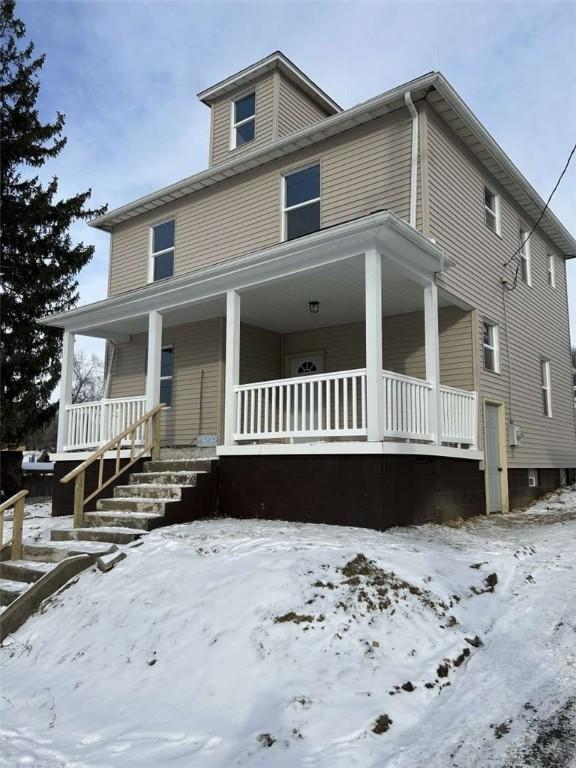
(432, 87)
(276, 60)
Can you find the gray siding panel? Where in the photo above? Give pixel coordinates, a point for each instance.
(536, 316)
(197, 385)
(222, 120)
(295, 109)
(366, 170)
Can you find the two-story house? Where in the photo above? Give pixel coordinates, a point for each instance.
(349, 304)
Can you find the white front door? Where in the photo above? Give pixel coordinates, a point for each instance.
(305, 365)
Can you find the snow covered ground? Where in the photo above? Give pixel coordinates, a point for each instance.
(248, 643)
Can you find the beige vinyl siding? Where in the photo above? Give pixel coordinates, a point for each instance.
(295, 108)
(260, 354)
(365, 170)
(222, 120)
(537, 316)
(403, 348)
(197, 385)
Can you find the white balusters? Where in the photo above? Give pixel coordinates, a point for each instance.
(94, 423)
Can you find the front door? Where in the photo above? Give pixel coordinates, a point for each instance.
(305, 365)
(492, 458)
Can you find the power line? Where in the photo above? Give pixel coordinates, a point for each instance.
(517, 251)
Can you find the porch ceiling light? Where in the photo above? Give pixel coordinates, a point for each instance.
(314, 307)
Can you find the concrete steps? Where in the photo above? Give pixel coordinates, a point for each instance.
(177, 465)
(27, 571)
(142, 521)
(148, 491)
(133, 504)
(10, 590)
(55, 551)
(182, 478)
(110, 534)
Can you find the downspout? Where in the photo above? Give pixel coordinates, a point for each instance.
(414, 161)
(108, 379)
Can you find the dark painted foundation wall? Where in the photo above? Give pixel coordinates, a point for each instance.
(367, 491)
(521, 494)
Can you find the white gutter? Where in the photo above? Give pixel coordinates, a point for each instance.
(414, 162)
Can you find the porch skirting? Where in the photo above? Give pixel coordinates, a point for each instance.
(370, 490)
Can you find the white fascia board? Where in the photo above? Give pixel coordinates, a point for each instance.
(384, 230)
(359, 447)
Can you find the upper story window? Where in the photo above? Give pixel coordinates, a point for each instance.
(551, 266)
(491, 348)
(492, 210)
(301, 202)
(166, 375)
(524, 252)
(243, 120)
(546, 387)
(162, 251)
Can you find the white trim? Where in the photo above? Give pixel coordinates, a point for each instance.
(489, 212)
(353, 447)
(275, 60)
(153, 359)
(152, 255)
(402, 244)
(494, 347)
(65, 388)
(525, 254)
(235, 125)
(432, 355)
(373, 320)
(286, 209)
(551, 268)
(232, 376)
(546, 381)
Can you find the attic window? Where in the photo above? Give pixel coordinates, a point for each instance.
(243, 120)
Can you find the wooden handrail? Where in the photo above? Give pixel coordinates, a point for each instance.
(111, 443)
(151, 421)
(16, 501)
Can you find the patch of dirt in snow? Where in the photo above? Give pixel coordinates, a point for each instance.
(247, 643)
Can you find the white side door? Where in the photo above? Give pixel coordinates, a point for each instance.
(492, 454)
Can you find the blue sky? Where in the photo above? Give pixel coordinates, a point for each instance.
(126, 75)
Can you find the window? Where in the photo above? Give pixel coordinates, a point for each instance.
(491, 351)
(551, 270)
(166, 375)
(301, 202)
(546, 387)
(243, 120)
(524, 250)
(533, 478)
(492, 210)
(162, 257)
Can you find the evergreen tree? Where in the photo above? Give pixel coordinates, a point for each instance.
(39, 263)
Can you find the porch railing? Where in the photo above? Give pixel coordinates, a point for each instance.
(17, 502)
(459, 416)
(94, 423)
(323, 405)
(334, 405)
(406, 407)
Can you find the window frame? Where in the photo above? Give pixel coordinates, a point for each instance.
(495, 212)
(171, 377)
(152, 255)
(525, 254)
(235, 125)
(551, 268)
(494, 347)
(283, 209)
(546, 386)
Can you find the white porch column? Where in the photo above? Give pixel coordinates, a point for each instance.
(432, 343)
(154, 359)
(374, 388)
(232, 364)
(65, 388)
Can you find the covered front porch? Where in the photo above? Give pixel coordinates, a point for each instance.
(330, 344)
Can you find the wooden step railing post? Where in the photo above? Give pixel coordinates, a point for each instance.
(17, 528)
(155, 451)
(79, 500)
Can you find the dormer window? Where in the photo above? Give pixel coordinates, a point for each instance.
(243, 120)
